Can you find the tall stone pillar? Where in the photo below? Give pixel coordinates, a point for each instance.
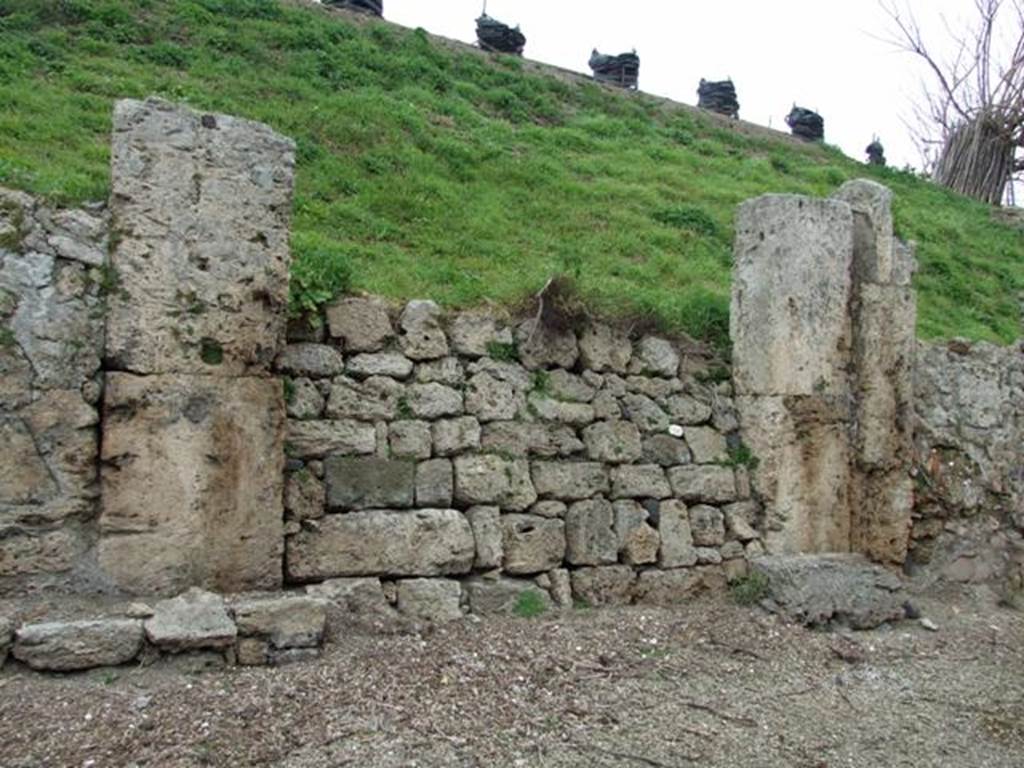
(193, 421)
(791, 333)
(884, 317)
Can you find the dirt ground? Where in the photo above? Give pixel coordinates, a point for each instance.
(709, 684)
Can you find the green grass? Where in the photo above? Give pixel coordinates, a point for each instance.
(529, 604)
(427, 171)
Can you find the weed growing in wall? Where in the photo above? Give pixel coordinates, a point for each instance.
(750, 589)
(529, 604)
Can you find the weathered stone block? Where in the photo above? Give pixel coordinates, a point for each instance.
(202, 204)
(617, 442)
(380, 364)
(707, 445)
(547, 408)
(473, 333)
(422, 336)
(454, 436)
(707, 525)
(872, 229)
(424, 542)
(487, 532)
(652, 355)
(446, 370)
(638, 542)
(542, 347)
(305, 497)
(791, 287)
(285, 622)
(315, 361)
(374, 399)
(528, 438)
(191, 621)
(366, 483)
(639, 481)
(304, 400)
(569, 387)
(569, 480)
(192, 471)
(678, 586)
(490, 399)
(603, 348)
(605, 585)
(645, 413)
(665, 451)
(435, 483)
(677, 549)
(532, 544)
(503, 597)
(708, 484)
(489, 479)
(74, 645)
(432, 600)
(316, 439)
(362, 323)
(589, 535)
(410, 440)
(687, 410)
(432, 401)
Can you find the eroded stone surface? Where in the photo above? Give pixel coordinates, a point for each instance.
(532, 544)
(191, 621)
(74, 645)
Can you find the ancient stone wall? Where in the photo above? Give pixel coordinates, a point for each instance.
(53, 289)
(823, 329)
(446, 459)
(969, 463)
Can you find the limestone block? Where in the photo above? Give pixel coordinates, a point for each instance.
(707, 525)
(658, 389)
(606, 406)
(503, 597)
(547, 408)
(39, 552)
(490, 399)
(454, 436)
(303, 400)
(569, 480)
(789, 322)
(355, 602)
(803, 448)
(432, 401)
(487, 532)
(589, 533)
(511, 373)
(447, 370)
(549, 509)
(616, 442)
(392, 364)
(423, 542)
(639, 481)
(675, 587)
(369, 483)
(422, 337)
(532, 544)
(305, 497)
(362, 324)
(881, 505)
(315, 361)
(526, 438)
(707, 445)
(410, 440)
(74, 645)
(192, 472)
(191, 621)
(285, 622)
(561, 587)
(677, 549)
(24, 477)
(655, 356)
(568, 387)
(435, 483)
(687, 410)
(603, 348)
(645, 413)
(374, 399)
(604, 585)
(316, 439)
(708, 484)
(473, 333)
(542, 347)
(872, 229)
(202, 205)
(437, 601)
(740, 519)
(665, 451)
(638, 541)
(489, 479)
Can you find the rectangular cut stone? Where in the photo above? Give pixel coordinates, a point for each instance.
(316, 439)
(192, 471)
(365, 483)
(569, 479)
(202, 205)
(789, 322)
(424, 542)
(803, 448)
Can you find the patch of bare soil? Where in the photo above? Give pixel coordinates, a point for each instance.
(710, 684)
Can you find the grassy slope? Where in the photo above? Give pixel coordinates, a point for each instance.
(433, 172)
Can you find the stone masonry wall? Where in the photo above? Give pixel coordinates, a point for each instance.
(52, 293)
(463, 459)
(969, 463)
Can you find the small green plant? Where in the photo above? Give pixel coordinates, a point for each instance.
(109, 678)
(288, 387)
(529, 604)
(11, 239)
(106, 279)
(404, 409)
(211, 352)
(741, 456)
(541, 382)
(502, 351)
(750, 589)
(320, 272)
(689, 217)
(7, 339)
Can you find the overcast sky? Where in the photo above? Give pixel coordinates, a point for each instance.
(821, 54)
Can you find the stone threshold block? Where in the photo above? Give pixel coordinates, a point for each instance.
(192, 477)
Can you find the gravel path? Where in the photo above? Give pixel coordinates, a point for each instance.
(710, 684)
